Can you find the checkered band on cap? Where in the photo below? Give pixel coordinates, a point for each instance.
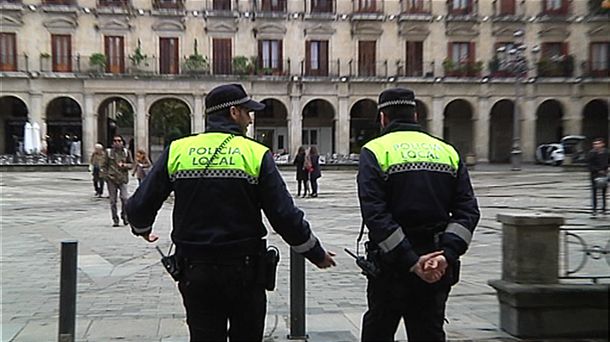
(185, 174)
(227, 105)
(422, 166)
(395, 103)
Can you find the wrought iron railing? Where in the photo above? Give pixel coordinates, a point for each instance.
(584, 251)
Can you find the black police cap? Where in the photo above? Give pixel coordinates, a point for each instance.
(396, 97)
(227, 95)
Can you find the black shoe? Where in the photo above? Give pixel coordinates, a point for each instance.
(116, 224)
(125, 222)
(314, 195)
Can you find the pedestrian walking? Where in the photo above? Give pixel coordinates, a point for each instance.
(116, 171)
(418, 204)
(302, 174)
(221, 181)
(142, 165)
(75, 150)
(96, 162)
(315, 172)
(597, 160)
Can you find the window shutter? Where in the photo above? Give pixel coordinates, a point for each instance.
(471, 52)
(280, 50)
(324, 58)
(260, 62)
(450, 51)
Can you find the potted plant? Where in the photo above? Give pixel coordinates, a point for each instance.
(98, 62)
(138, 58)
(196, 63)
(242, 65)
(449, 67)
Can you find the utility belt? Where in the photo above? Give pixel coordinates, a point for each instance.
(264, 259)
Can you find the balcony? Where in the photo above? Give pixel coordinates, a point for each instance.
(113, 3)
(462, 69)
(220, 9)
(321, 10)
(552, 11)
(467, 11)
(513, 12)
(556, 66)
(368, 10)
(168, 5)
(421, 69)
(596, 69)
(14, 63)
(59, 6)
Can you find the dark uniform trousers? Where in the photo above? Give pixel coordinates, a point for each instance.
(401, 294)
(215, 292)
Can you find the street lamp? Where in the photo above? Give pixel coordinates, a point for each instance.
(513, 60)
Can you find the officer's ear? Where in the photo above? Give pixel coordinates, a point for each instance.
(234, 113)
(383, 119)
(416, 117)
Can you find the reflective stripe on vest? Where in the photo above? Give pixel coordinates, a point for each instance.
(239, 158)
(405, 151)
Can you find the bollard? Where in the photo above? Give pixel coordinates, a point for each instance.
(67, 291)
(297, 296)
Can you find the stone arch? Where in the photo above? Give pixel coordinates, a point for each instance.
(13, 116)
(115, 115)
(595, 122)
(319, 125)
(549, 122)
(364, 125)
(170, 119)
(501, 131)
(64, 124)
(458, 126)
(271, 125)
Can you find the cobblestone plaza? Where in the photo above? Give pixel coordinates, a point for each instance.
(124, 294)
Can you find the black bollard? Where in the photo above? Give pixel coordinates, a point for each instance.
(67, 291)
(297, 296)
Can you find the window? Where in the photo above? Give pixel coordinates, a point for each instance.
(310, 137)
(274, 5)
(61, 48)
(270, 54)
(366, 58)
(8, 52)
(221, 5)
(168, 55)
(460, 52)
(415, 64)
(366, 5)
(175, 4)
(115, 54)
(316, 58)
(321, 6)
(416, 6)
(600, 61)
(460, 6)
(554, 50)
(507, 7)
(58, 2)
(221, 56)
(553, 4)
(112, 3)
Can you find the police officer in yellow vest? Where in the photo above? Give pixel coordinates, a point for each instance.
(221, 180)
(418, 204)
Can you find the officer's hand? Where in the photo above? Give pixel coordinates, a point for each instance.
(434, 272)
(328, 260)
(150, 237)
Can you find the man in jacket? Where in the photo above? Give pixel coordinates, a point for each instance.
(116, 172)
(418, 204)
(221, 181)
(597, 159)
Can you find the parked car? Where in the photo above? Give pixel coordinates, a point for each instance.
(555, 153)
(550, 154)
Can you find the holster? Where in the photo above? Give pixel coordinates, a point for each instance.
(267, 267)
(173, 266)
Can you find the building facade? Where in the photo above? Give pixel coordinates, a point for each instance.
(86, 69)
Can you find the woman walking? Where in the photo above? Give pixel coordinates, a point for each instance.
(97, 160)
(142, 165)
(302, 175)
(315, 172)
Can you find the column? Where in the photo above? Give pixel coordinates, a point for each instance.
(481, 130)
(436, 117)
(296, 124)
(37, 114)
(198, 125)
(89, 127)
(342, 127)
(141, 123)
(528, 128)
(572, 116)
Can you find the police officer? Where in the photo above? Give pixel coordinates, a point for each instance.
(418, 204)
(221, 180)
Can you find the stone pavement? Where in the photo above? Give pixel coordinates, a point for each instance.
(124, 294)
